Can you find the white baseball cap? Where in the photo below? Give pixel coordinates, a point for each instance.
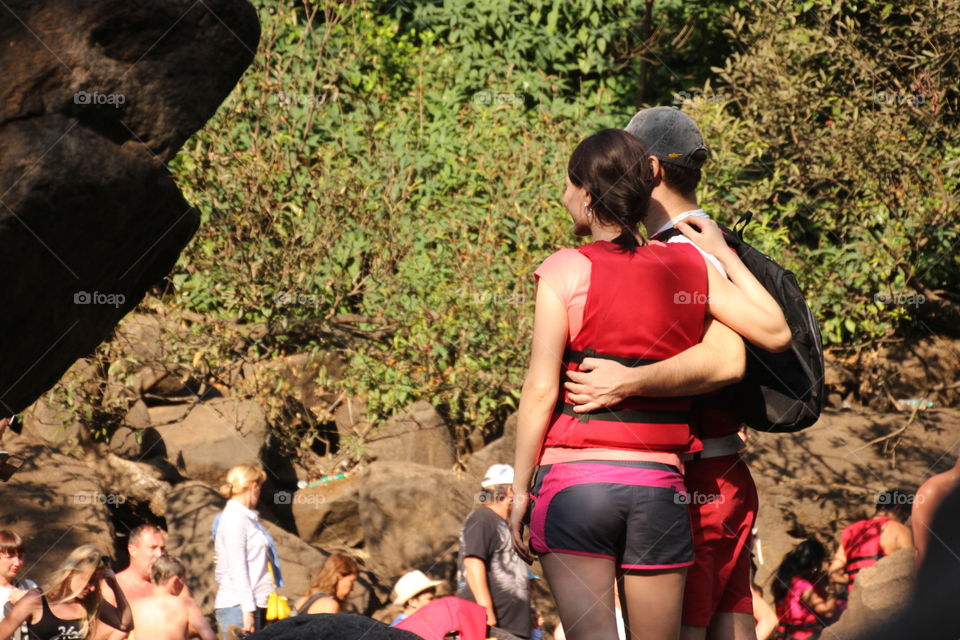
(412, 584)
(498, 474)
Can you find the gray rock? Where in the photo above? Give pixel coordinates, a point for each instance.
(57, 504)
(206, 439)
(417, 434)
(411, 515)
(879, 594)
(329, 514)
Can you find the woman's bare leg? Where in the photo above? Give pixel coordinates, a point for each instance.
(653, 601)
(583, 589)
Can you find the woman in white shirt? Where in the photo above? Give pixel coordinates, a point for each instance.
(245, 554)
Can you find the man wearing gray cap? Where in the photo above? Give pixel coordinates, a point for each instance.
(724, 498)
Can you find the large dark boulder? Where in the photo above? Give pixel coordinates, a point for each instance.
(325, 626)
(97, 97)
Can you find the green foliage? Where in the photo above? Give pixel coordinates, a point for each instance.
(384, 181)
(847, 110)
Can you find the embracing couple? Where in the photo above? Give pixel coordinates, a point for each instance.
(625, 456)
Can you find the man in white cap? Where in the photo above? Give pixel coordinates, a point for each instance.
(413, 591)
(490, 571)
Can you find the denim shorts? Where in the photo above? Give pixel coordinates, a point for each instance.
(233, 616)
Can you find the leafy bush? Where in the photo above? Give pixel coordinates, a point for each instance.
(382, 184)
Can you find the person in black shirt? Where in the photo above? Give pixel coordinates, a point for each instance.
(490, 571)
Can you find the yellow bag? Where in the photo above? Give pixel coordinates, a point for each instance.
(277, 607)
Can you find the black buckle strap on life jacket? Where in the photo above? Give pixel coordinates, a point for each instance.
(576, 357)
(850, 561)
(805, 626)
(628, 415)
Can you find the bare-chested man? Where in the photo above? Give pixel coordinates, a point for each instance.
(866, 541)
(929, 496)
(165, 615)
(145, 545)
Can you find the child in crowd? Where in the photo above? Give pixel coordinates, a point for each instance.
(803, 605)
(165, 615)
(413, 591)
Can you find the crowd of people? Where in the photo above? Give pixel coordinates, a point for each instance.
(628, 478)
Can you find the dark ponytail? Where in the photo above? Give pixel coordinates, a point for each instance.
(804, 561)
(612, 166)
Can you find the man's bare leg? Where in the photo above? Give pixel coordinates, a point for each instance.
(732, 626)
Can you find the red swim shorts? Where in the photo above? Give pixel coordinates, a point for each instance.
(723, 509)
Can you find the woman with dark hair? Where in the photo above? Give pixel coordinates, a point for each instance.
(609, 502)
(803, 606)
(331, 586)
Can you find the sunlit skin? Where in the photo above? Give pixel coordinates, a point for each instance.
(10, 566)
(135, 579)
(165, 616)
(79, 585)
(345, 586)
(332, 605)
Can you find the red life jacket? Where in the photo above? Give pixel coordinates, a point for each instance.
(861, 545)
(714, 415)
(641, 307)
(795, 620)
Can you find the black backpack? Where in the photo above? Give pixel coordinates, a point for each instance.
(780, 392)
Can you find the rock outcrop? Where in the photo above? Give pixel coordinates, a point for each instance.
(879, 594)
(411, 516)
(56, 503)
(97, 97)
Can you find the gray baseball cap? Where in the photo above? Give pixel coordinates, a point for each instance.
(670, 135)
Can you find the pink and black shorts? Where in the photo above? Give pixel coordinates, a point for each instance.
(634, 513)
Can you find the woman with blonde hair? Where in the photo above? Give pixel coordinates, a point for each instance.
(72, 606)
(247, 562)
(331, 586)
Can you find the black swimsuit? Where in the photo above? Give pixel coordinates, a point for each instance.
(50, 627)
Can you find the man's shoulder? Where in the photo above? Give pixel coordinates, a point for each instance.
(480, 514)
